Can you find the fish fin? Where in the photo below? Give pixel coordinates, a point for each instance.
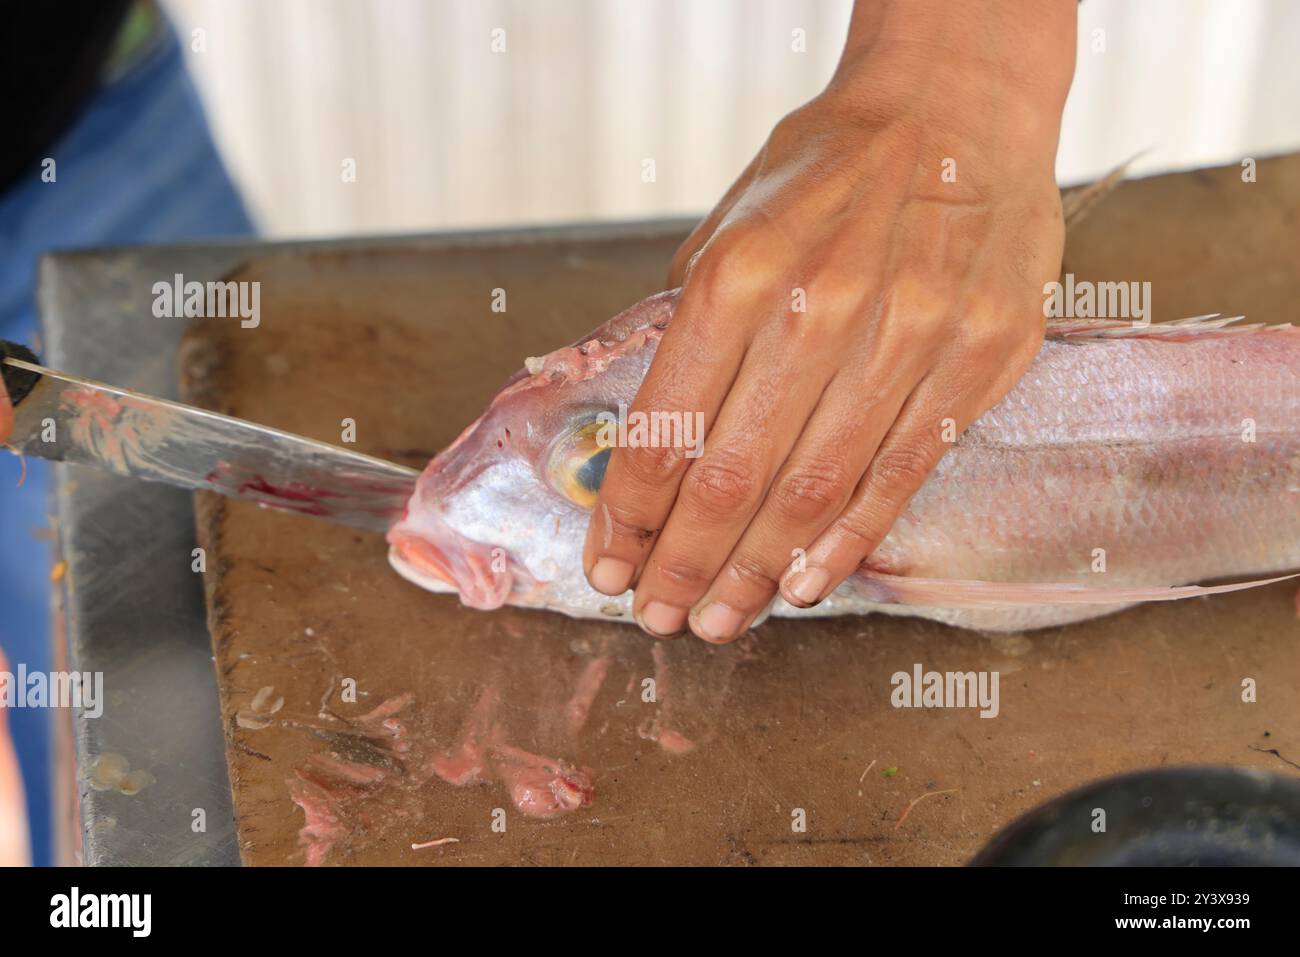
(1077, 202)
(1212, 326)
(589, 356)
(947, 593)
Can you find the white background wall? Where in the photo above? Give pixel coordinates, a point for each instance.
(447, 134)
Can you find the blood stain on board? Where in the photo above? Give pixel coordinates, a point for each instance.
(539, 786)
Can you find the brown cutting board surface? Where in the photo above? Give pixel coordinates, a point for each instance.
(792, 722)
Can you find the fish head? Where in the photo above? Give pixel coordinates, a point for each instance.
(500, 516)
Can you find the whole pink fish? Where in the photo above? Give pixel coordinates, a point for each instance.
(1127, 461)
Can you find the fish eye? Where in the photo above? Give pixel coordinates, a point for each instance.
(575, 465)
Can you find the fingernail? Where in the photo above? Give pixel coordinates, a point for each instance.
(807, 586)
(718, 622)
(611, 576)
(663, 619)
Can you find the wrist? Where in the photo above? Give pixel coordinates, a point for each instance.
(1024, 46)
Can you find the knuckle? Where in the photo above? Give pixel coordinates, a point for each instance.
(903, 465)
(722, 484)
(832, 293)
(859, 531)
(808, 492)
(913, 306)
(792, 132)
(787, 131)
(681, 573)
(994, 339)
(994, 328)
(653, 465)
(999, 341)
(751, 571)
(686, 258)
(680, 263)
(626, 524)
(729, 267)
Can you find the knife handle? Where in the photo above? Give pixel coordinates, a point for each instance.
(18, 382)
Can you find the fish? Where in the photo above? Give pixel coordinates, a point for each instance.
(1129, 463)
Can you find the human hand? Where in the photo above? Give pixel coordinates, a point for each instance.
(11, 379)
(6, 416)
(871, 285)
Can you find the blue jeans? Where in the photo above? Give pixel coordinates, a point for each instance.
(137, 166)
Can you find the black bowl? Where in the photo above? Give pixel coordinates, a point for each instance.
(1170, 817)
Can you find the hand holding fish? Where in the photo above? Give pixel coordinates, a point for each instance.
(868, 288)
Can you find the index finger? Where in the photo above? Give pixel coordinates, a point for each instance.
(686, 384)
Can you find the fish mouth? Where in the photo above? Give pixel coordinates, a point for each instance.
(442, 560)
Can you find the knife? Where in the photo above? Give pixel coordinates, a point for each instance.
(66, 418)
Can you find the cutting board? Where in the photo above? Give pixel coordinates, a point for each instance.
(343, 686)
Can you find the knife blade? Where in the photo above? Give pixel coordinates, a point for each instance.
(66, 418)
